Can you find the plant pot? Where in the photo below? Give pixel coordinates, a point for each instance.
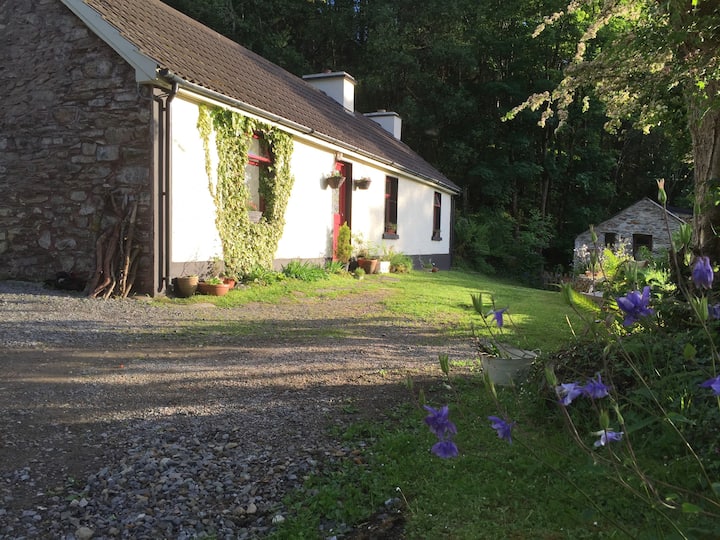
(506, 371)
(362, 183)
(384, 267)
(230, 282)
(369, 265)
(335, 181)
(185, 286)
(213, 289)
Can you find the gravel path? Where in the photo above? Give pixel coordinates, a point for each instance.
(125, 419)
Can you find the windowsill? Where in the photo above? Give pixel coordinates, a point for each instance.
(390, 236)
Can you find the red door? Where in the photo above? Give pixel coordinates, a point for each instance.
(344, 202)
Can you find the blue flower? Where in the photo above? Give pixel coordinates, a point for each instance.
(498, 316)
(635, 305)
(439, 422)
(445, 449)
(567, 392)
(702, 273)
(595, 389)
(607, 436)
(503, 428)
(713, 383)
(714, 312)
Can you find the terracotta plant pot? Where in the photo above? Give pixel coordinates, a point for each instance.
(230, 282)
(213, 289)
(369, 265)
(185, 286)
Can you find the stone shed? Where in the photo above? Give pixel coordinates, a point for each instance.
(640, 225)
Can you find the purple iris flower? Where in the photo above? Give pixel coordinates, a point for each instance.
(503, 428)
(714, 312)
(595, 389)
(608, 436)
(498, 316)
(702, 273)
(567, 392)
(445, 449)
(713, 383)
(635, 305)
(439, 422)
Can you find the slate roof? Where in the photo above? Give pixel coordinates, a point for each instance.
(205, 58)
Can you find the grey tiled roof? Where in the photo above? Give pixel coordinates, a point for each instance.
(205, 58)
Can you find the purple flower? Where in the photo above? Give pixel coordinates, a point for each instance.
(607, 436)
(714, 312)
(439, 422)
(445, 449)
(567, 392)
(502, 427)
(713, 383)
(702, 273)
(595, 389)
(635, 305)
(498, 316)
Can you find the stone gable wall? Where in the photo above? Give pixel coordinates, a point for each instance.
(73, 128)
(643, 217)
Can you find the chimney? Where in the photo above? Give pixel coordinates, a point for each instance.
(389, 121)
(337, 84)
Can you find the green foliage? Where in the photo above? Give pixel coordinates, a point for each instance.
(516, 250)
(344, 244)
(246, 245)
(304, 271)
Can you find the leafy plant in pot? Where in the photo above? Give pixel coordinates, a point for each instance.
(213, 287)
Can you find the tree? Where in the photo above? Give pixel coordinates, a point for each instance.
(660, 64)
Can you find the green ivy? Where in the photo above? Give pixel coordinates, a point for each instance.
(246, 245)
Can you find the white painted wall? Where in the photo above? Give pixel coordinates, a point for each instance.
(194, 236)
(309, 215)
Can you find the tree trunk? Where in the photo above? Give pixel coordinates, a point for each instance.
(704, 124)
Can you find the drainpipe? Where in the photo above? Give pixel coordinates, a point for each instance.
(164, 184)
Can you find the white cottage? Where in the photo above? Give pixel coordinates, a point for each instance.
(104, 114)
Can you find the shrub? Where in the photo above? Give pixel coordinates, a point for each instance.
(304, 271)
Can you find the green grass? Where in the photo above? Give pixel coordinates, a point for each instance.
(541, 486)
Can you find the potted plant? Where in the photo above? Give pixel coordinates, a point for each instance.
(185, 286)
(335, 179)
(362, 183)
(213, 287)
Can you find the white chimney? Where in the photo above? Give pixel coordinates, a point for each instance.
(337, 84)
(389, 121)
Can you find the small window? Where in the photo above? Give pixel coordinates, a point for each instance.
(391, 207)
(610, 239)
(640, 241)
(258, 161)
(437, 208)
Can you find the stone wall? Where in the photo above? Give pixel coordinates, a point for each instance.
(643, 218)
(74, 128)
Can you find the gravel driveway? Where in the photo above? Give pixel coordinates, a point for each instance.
(126, 419)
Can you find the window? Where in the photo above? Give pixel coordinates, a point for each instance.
(437, 208)
(258, 160)
(640, 241)
(391, 207)
(610, 239)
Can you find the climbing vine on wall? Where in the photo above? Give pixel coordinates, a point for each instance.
(246, 245)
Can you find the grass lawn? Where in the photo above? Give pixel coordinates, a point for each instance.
(540, 486)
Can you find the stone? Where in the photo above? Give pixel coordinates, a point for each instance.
(84, 533)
